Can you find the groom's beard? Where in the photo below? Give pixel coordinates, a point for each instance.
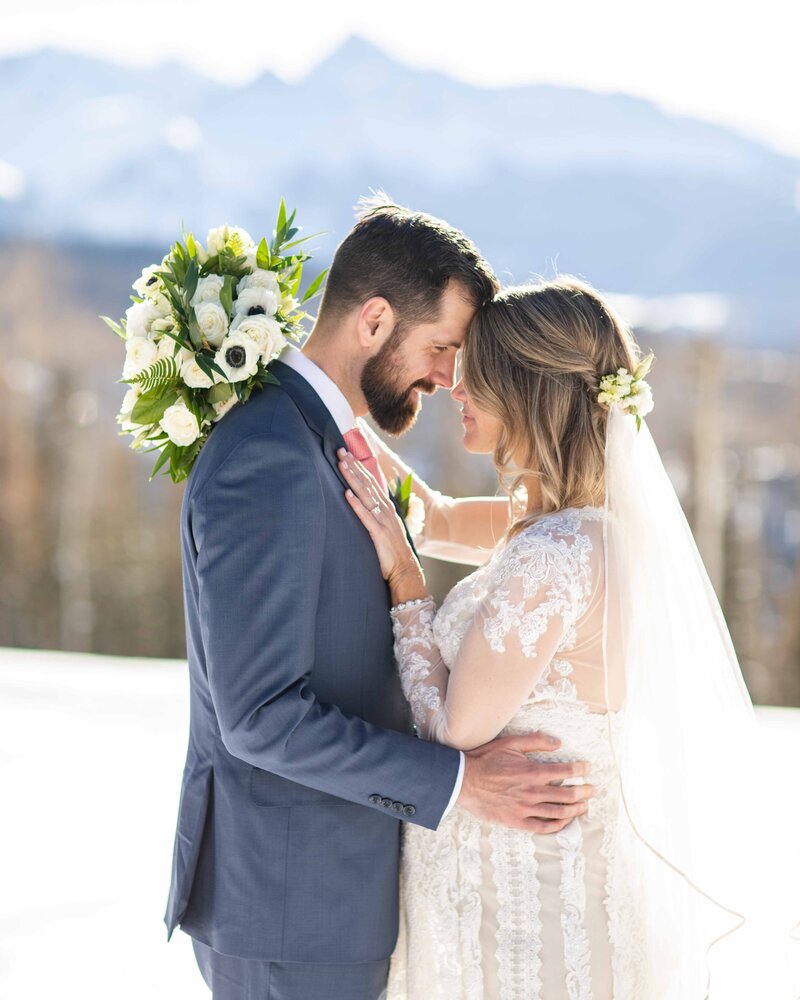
(394, 409)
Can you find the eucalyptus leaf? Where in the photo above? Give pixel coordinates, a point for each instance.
(314, 287)
(151, 406)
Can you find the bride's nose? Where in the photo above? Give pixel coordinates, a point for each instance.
(457, 392)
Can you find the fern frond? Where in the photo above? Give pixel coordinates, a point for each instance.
(159, 375)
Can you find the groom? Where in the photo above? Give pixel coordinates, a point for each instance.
(301, 763)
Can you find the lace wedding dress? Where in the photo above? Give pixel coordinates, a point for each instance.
(487, 912)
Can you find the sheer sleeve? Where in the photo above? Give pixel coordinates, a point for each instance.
(529, 611)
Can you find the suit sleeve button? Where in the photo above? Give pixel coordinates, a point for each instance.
(409, 810)
(386, 803)
(397, 807)
(375, 800)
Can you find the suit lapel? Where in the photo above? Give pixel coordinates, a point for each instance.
(315, 413)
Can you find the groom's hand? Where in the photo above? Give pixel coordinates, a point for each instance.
(501, 785)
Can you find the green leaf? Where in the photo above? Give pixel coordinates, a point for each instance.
(160, 375)
(262, 255)
(191, 246)
(314, 287)
(281, 216)
(151, 405)
(226, 293)
(190, 284)
(195, 333)
(161, 460)
(405, 487)
(115, 327)
(304, 239)
(220, 392)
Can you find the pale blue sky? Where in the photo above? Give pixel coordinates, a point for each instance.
(729, 62)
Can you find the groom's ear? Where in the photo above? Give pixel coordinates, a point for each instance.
(375, 321)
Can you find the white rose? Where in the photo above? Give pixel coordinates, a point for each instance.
(140, 353)
(169, 348)
(415, 518)
(180, 424)
(264, 331)
(251, 258)
(208, 289)
(194, 376)
(162, 325)
(141, 316)
(129, 400)
(149, 286)
(260, 279)
(260, 299)
(237, 357)
(223, 406)
(213, 322)
(219, 237)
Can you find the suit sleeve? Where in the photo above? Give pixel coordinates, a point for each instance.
(258, 526)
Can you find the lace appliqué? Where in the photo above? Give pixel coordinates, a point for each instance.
(413, 644)
(519, 925)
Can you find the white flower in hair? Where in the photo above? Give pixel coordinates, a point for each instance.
(630, 391)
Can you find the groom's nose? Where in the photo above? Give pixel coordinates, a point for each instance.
(444, 371)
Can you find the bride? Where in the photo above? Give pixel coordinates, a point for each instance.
(590, 618)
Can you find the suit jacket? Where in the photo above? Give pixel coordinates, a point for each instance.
(301, 761)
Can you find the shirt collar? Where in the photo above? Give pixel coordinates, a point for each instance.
(324, 386)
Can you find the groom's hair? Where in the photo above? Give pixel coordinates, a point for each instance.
(406, 257)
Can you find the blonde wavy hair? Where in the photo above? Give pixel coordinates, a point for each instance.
(533, 358)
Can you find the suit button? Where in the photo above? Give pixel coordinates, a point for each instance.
(375, 800)
(386, 803)
(409, 810)
(397, 807)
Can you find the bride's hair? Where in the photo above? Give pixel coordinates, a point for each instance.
(533, 358)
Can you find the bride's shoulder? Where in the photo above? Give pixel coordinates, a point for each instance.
(574, 534)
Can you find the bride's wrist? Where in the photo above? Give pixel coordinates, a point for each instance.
(407, 583)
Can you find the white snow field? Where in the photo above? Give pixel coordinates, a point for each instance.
(91, 753)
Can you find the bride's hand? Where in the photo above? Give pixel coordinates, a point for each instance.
(378, 515)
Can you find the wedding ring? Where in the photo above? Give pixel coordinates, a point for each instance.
(375, 510)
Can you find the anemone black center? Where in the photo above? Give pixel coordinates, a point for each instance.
(256, 311)
(151, 280)
(236, 356)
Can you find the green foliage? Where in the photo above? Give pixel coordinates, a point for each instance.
(402, 494)
(151, 405)
(115, 327)
(162, 374)
(314, 287)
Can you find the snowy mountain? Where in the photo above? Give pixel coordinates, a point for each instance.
(604, 184)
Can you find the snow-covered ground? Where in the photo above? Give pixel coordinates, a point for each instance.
(91, 752)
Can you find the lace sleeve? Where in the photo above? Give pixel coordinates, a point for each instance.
(529, 610)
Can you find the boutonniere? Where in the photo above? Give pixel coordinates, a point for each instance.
(409, 506)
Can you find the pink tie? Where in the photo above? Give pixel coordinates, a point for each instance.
(359, 447)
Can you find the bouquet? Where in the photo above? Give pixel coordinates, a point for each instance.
(203, 327)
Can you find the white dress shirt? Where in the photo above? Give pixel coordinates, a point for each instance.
(342, 412)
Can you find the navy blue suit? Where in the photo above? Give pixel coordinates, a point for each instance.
(301, 759)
